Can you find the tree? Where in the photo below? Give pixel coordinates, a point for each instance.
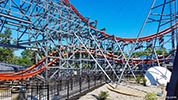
(161, 51)
(149, 51)
(6, 54)
(5, 38)
(25, 61)
(140, 53)
(28, 57)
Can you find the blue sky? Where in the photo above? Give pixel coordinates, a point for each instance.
(121, 18)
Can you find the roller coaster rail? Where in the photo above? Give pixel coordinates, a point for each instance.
(68, 40)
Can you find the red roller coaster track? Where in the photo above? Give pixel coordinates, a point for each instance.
(26, 73)
(146, 38)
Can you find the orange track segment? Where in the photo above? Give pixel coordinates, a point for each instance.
(146, 38)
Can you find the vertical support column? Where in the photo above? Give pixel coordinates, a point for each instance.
(37, 91)
(67, 88)
(58, 85)
(80, 83)
(101, 78)
(80, 79)
(46, 52)
(88, 80)
(48, 90)
(46, 45)
(71, 82)
(113, 61)
(31, 92)
(95, 78)
(173, 19)
(172, 86)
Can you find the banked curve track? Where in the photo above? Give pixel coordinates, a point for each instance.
(29, 73)
(140, 39)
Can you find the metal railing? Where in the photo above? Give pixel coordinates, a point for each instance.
(65, 88)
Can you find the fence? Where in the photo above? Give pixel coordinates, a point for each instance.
(5, 94)
(65, 88)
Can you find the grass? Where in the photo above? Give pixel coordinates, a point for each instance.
(103, 95)
(150, 96)
(144, 81)
(141, 80)
(138, 79)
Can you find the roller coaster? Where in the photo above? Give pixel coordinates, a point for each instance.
(69, 40)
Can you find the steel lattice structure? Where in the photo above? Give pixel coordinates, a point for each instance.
(70, 41)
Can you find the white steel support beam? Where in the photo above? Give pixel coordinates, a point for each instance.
(104, 55)
(92, 56)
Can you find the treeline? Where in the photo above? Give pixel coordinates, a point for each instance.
(7, 54)
(149, 51)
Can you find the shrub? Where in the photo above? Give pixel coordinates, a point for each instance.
(138, 79)
(144, 81)
(103, 95)
(150, 96)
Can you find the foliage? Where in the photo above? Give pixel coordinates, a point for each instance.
(103, 95)
(7, 54)
(144, 81)
(138, 79)
(160, 51)
(24, 61)
(5, 38)
(138, 54)
(150, 96)
(27, 58)
(148, 51)
(141, 53)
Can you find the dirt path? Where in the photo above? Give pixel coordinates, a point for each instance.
(138, 92)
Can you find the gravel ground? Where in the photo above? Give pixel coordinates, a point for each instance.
(125, 87)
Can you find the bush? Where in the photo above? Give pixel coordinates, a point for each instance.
(144, 81)
(150, 96)
(103, 95)
(138, 79)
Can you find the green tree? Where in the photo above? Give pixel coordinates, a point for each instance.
(161, 51)
(28, 57)
(5, 38)
(6, 54)
(149, 51)
(141, 53)
(25, 61)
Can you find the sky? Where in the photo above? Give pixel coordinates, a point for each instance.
(122, 18)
